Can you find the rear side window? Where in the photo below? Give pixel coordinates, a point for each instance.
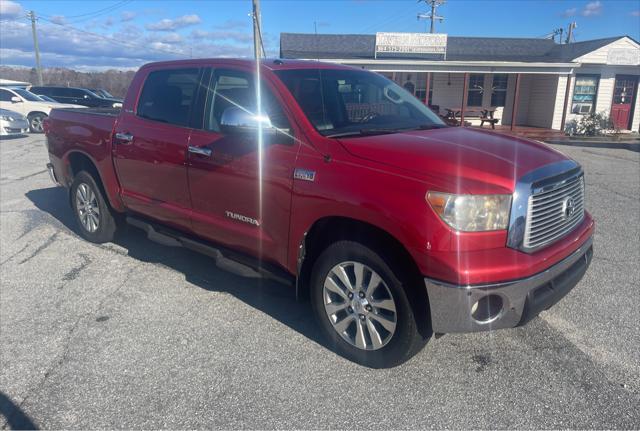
(168, 96)
(64, 92)
(5, 96)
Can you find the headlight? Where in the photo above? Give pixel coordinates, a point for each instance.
(116, 105)
(472, 213)
(5, 118)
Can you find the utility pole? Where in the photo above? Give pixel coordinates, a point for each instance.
(257, 31)
(570, 31)
(32, 16)
(432, 16)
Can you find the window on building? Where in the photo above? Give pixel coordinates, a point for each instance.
(584, 94)
(476, 90)
(167, 95)
(499, 89)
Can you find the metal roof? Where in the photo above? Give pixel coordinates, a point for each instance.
(362, 46)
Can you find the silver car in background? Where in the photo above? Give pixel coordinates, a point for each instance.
(12, 123)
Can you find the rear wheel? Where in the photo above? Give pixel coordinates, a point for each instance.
(36, 122)
(95, 219)
(362, 306)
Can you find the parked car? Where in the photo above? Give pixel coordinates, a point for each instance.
(342, 184)
(29, 105)
(102, 93)
(12, 123)
(77, 96)
(47, 98)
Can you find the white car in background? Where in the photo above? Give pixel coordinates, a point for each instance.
(29, 105)
(12, 123)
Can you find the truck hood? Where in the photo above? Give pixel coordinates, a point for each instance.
(463, 160)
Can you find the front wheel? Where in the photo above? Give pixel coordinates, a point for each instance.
(36, 122)
(362, 306)
(96, 222)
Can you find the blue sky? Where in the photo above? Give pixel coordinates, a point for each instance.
(127, 33)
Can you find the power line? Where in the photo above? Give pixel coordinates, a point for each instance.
(113, 40)
(98, 12)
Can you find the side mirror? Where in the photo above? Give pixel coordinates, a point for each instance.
(237, 120)
(15, 99)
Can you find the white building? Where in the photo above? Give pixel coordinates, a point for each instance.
(549, 84)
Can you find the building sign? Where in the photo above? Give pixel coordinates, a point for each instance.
(623, 56)
(411, 45)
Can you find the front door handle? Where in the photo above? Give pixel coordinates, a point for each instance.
(202, 151)
(124, 137)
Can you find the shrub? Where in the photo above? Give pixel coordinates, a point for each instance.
(593, 124)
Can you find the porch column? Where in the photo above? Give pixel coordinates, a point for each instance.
(426, 94)
(516, 97)
(566, 102)
(465, 84)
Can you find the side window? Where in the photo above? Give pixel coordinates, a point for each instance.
(237, 88)
(63, 92)
(168, 96)
(5, 96)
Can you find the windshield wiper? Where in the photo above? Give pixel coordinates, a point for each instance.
(431, 126)
(363, 132)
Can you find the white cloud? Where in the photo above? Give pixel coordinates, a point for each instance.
(233, 24)
(127, 16)
(569, 12)
(170, 38)
(234, 36)
(174, 24)
(58, 19)
(128, 47)
(592, 8)
(635, 13)
(9, 9)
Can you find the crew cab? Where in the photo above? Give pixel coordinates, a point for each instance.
(339, 182)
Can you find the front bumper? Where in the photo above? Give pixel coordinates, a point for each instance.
(504, 305)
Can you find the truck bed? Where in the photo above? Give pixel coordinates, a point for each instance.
(82, 132)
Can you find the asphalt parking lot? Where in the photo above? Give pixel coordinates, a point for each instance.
(133, 334)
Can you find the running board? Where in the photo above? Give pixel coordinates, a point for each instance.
(226, 260)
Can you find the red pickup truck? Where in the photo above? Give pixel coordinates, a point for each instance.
(337, 181)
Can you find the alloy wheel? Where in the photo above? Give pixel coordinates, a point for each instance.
(359, 305)
(87, 207)
(37, 123)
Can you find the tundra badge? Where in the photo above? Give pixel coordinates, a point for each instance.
(304, 174)
(242, 218)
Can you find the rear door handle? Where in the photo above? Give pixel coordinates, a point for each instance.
(202, 151)
(124, 137)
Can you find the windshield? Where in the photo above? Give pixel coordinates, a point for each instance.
(27, 95)
(342, 102)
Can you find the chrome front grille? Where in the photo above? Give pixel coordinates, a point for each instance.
(553, 211)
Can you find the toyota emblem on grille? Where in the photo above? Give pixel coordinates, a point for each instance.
(568, 208)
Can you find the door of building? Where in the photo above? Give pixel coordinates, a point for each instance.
(622, 104)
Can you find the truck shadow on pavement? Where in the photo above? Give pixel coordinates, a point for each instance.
(275, 299)
(14, 417)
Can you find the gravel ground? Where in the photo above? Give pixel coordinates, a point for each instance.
(133, 334)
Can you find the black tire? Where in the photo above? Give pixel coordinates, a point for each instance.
(36, 122)
(106, 225)
(405, 342)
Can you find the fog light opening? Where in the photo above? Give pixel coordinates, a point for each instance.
(487, 309)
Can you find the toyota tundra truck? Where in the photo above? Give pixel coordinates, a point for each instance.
(336, 181)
